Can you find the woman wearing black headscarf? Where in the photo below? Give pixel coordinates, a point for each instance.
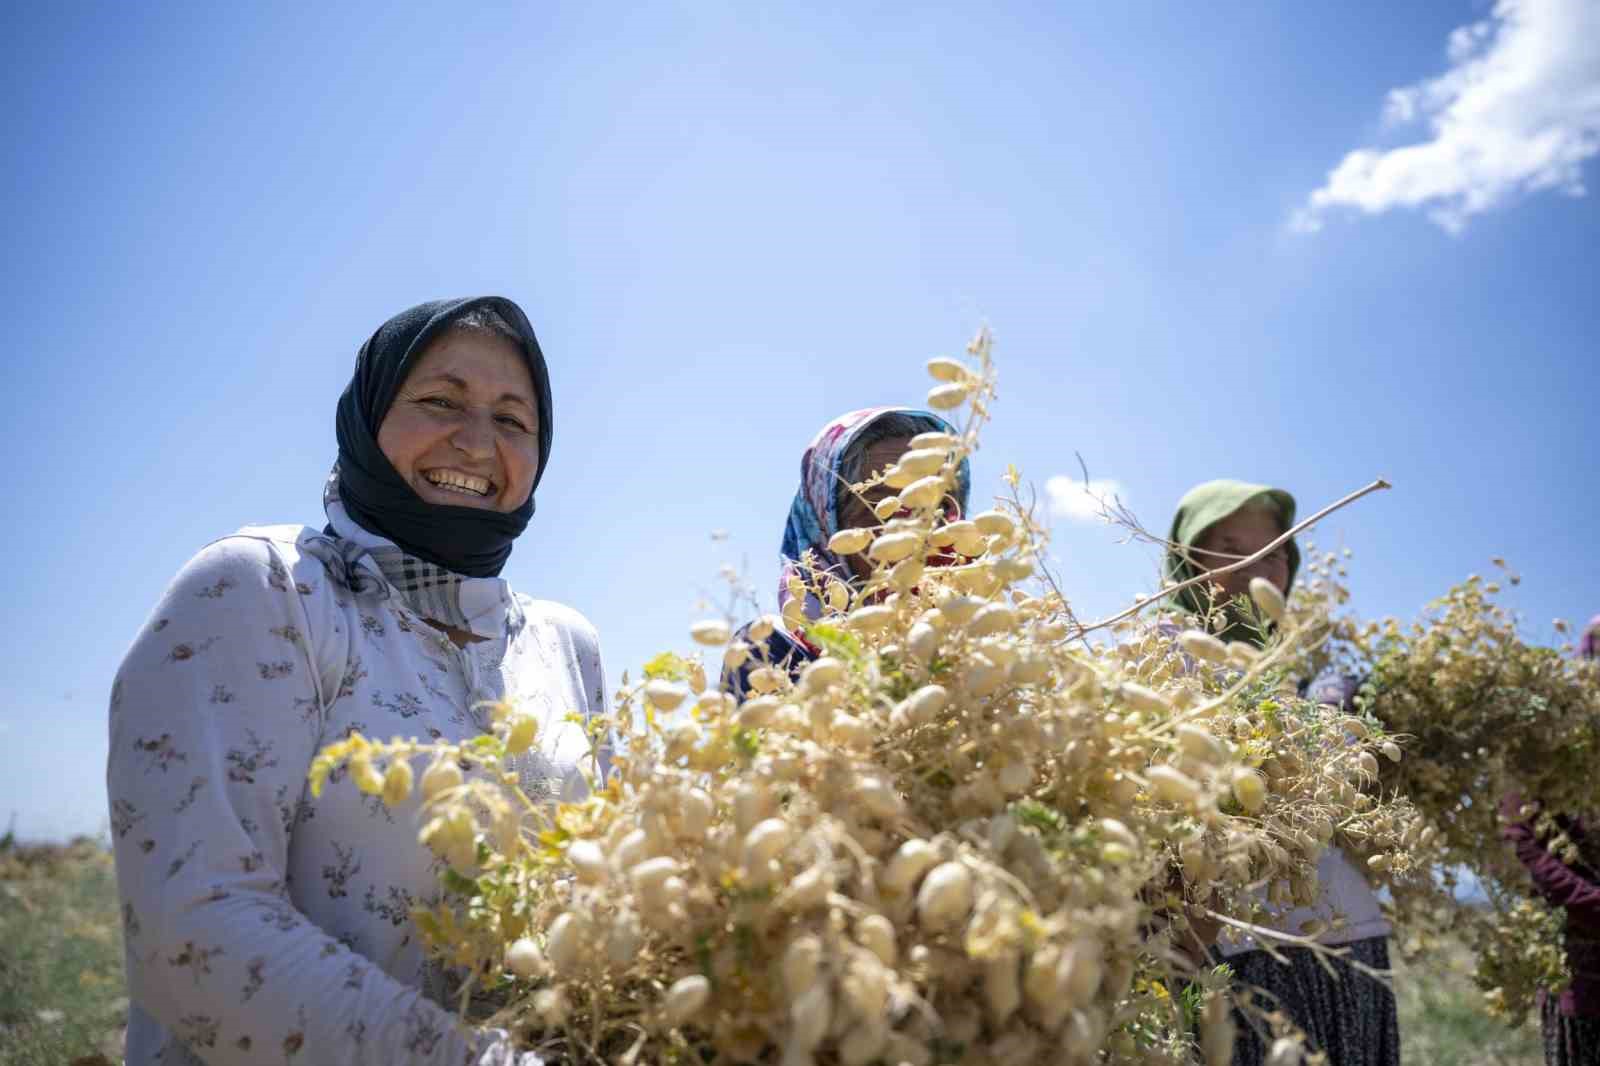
(262, 927)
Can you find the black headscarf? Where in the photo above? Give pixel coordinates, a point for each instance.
(467, 540)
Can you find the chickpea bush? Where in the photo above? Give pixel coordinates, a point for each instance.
(965, 834)
(1487, 717)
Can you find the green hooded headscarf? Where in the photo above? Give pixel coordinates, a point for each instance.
(1203, 507)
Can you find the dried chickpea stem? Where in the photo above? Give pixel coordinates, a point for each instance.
(1288, 535)
(1321, 952)
(1201, 710)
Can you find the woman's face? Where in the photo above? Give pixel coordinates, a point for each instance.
(1243, 533)
(463, 429)
(856, 511)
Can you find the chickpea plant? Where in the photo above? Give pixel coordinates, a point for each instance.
(966, 833)
(1489, 718)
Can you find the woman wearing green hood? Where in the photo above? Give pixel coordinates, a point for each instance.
(1218, 523)
(1346, 1014)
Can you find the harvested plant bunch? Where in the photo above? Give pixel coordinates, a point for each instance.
(1491, 716)
(1486, 717)
(1520, 953)
(956, 837)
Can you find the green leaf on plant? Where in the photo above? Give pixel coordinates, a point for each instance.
(840, 643)
(1038, 816)
(747, 742)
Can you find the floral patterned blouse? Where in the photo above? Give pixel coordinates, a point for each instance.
(265, 927)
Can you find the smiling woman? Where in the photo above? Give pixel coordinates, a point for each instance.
(446, 392)
(258, 930)
(464, 428)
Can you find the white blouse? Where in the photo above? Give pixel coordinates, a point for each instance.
(266, 927)
(1346, 904)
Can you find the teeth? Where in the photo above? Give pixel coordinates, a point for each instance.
(451, 479)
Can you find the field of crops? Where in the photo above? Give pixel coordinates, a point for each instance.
(1441, 1020)
(61, 993)
(62, 1001)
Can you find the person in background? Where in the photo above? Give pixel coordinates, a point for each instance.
(844, 452)
(1570, 1021)
(265, 927)
(1346, 1014)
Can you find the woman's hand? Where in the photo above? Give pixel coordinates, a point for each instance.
(1199, 937)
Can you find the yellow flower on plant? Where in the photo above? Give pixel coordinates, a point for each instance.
(321, 767)
(519, 738)
(365, 775)
(397, 783)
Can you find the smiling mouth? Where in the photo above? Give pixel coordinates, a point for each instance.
(455, 481)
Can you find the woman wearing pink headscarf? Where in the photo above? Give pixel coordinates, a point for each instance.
(847, 450)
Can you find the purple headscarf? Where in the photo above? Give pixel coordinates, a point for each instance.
(1589, 646)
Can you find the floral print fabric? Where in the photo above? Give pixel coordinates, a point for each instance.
(263, 927)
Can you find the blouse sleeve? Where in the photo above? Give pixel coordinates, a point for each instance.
(1554, 879)
(592, 679)
(776, 650)
(215, 716)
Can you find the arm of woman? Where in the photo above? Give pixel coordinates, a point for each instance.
(1557, 882)
(215, 716)
(776, 649)
(592, 680)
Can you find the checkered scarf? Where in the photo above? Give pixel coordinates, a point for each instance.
(427, 588)
(430, 590)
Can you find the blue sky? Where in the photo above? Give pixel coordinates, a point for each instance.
(728, 226)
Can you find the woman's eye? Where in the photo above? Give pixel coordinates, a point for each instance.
(508, 420)
(438, 401)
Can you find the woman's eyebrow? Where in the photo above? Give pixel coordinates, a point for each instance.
(442, 378)
(460, 385)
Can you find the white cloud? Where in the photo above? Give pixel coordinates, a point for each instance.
(1518, 111)
(1071, 498)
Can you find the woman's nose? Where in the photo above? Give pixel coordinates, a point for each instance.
(475, 435)
(1259, 568)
